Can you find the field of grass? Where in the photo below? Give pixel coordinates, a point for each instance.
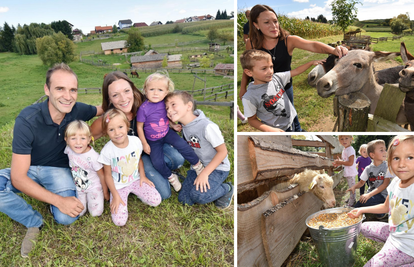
(170, 234)
(311, 108)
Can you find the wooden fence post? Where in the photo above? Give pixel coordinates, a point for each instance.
(352, 111)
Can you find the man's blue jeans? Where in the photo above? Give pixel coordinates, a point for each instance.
(189, 195)
(54, 179)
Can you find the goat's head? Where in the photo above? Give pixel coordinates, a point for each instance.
(322, 187)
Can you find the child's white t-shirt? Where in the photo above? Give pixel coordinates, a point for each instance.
(401, 219)
(349, 171)
(123, 161)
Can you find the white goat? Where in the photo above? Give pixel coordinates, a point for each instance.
(319, 183)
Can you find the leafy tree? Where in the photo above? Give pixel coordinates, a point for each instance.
(135, 41)
(205, 62)
(177, 29)
(322, 19)
(226, 37)
(62, 26)
(212, 34)
(114, 29)
(344, 12)
(55, 49)
(7, 37)
(25, 38)
(224, 15)
(398, 25)
(170, 22)
(307, 18)
(365, 139)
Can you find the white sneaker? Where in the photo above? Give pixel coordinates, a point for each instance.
(175, 182)
(245, 121)
(198, 168)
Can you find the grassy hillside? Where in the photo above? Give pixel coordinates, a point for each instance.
(170, 234)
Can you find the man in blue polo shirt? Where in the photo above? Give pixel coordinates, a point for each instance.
(39, 167)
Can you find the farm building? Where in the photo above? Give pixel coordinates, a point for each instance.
(147, 61)
(114, 47)
(99, 29)
(155, 23)
(154, 60)
(180, 21)
(127, 23)
(224, 69)
(174, 61)
(140, 24)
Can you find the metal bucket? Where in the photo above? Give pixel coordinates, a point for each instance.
(336, 246)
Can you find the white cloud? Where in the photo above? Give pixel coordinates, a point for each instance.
(3, 9)
(182, 11)
(376, 1)
(301, 1)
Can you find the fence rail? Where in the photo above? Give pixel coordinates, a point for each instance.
(225, 104)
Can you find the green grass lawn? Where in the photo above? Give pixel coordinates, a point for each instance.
(170, 234)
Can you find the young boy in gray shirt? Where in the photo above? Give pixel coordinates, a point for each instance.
(265, 98)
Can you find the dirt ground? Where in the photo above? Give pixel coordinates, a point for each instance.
(326, 124)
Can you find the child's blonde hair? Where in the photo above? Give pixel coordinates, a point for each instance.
(396, 141)
(160, 76)
(77, 126)
(371, 146)
(109, 115)
(362, 147)
(185, 96)
(249, 57)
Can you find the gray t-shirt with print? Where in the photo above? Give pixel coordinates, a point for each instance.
(374, 176)
(269, 102)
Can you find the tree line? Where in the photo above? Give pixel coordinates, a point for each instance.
(23, 39)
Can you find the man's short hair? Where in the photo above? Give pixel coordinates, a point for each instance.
(56, 67)
(249, 57)
(373, 144)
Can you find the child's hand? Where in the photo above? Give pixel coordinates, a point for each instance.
(202, 182)
(364, 198)
(351, 189)
(147, 148)
(116, 201)
(337, 162)
(355, 213)
(318, 62)
(177, 127)
(144, 179)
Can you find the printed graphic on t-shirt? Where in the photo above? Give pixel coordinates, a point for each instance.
(194, 141)
(401, 219)
(161, 129)
(80, 178)
(275, 104)
(126, 167)
(375, 181)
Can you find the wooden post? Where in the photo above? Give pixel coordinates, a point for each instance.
(352, 112)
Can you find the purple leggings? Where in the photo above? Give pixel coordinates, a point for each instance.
(389, 255)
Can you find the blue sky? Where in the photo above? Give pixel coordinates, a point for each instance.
(370, 9)
(85, 15)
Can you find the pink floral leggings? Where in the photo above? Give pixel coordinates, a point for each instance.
(92, 200)
(351, 183)
(389, 255)
(147, 194)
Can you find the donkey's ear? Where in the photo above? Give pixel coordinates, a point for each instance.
(405, 55)
(382, 56)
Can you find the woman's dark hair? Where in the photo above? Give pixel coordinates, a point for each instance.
(112, 77)
(256, 36)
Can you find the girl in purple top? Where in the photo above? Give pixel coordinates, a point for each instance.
(362, 161)
(154, 128)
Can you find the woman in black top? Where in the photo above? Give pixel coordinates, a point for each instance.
(267, 35)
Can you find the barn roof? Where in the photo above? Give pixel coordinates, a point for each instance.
(224, 67)
(113, 45)
(139, 59)
(125, 21)
(140, 24)
(104, 28)
(175, 57)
